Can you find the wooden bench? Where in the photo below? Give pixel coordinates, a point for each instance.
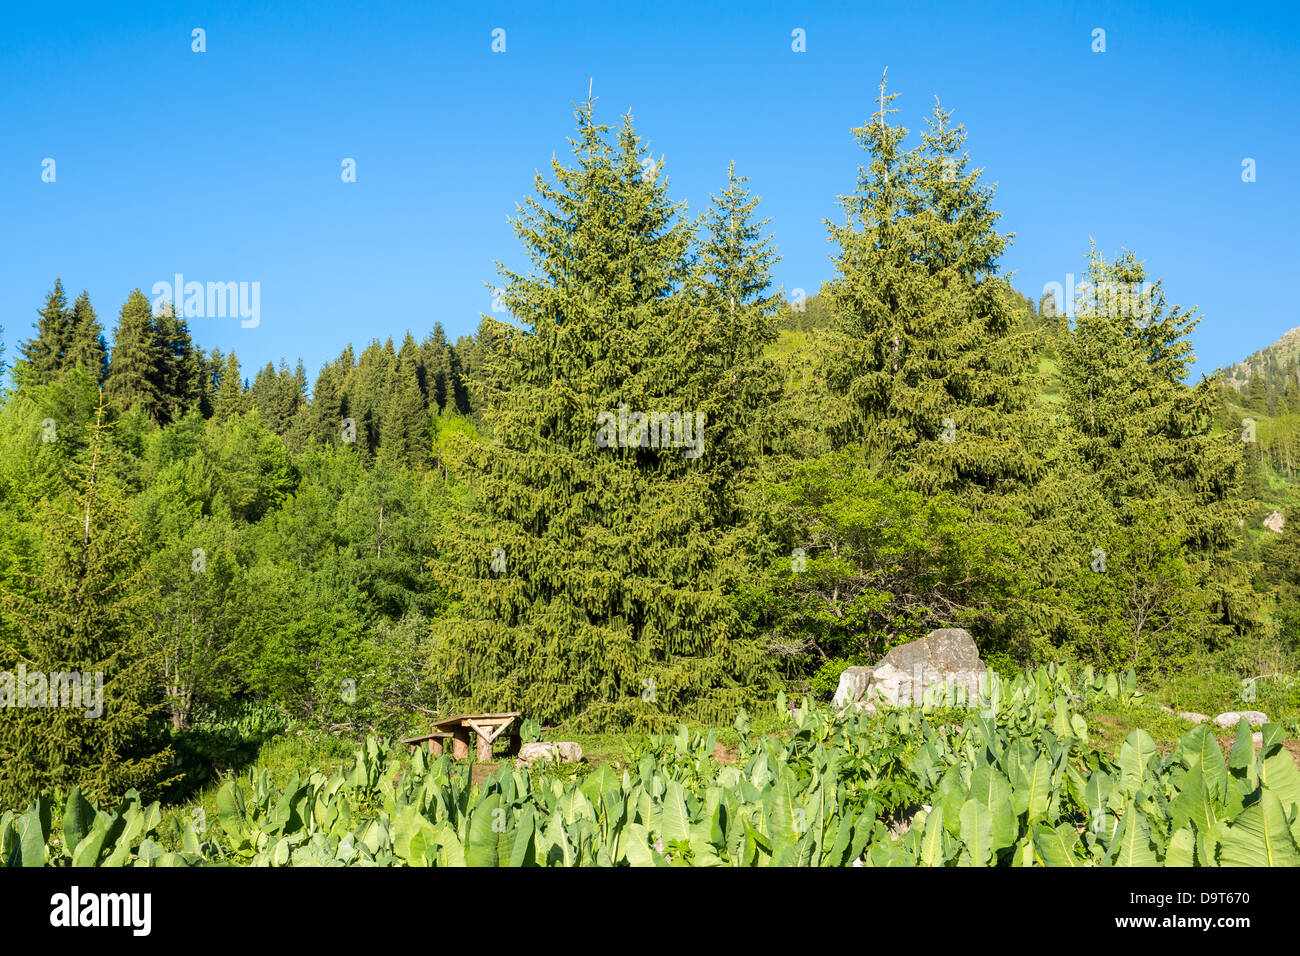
(486, 727)
(434, 739)
(461, 730)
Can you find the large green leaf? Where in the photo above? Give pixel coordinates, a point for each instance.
(1260, 836)
(934, 844)
(1198, 750)
(412, 834)
(1242, 759)
(1133, 846)
(1134, 755)
(32, 838)
(78, 817)
(1279, 774)
(638, 850)
(524, 850)
(676, 818)
(1055, 846)
(1182, 848)
(989, 786)
(1193, 802)
(977, 832)
(1032, 795)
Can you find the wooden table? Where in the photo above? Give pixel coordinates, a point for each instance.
(488, 727)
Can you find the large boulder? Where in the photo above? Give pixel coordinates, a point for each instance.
(940, 662)
(548, 750)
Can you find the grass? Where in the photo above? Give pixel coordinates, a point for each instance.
(1202, 690)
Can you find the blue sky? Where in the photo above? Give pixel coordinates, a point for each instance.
(225, 165)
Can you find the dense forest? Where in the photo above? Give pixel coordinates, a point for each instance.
(663, 491)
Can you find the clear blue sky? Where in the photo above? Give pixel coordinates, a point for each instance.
(225, 165)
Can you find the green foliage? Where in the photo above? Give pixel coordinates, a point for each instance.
(78, 627)
(1014, 784)
(861, 564)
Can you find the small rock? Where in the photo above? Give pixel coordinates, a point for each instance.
(1193, 716)
(1257, 739)
(1231, 718)
(548, 750)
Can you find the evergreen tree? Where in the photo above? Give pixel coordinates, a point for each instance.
(46, 355)
(231, 398)
(879, 297)
(326, 413)
(736, 260)
(405, 436)
(985, 351)
(366, 392)
(210, 364)
(266, 395)
(279, 395)
(458, 393)
(133, 369)
(932, 373)
(1146, 444)
(81, 613)
(87, 346)
(436, 355)
(179, 369)
(593, 578)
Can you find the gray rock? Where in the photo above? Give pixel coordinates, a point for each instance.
(940, 662)
(1231, 718)
(1193, 716)
(947, 649)
(853, 685)
(548, 750)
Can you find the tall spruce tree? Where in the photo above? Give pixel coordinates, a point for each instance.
(210, 362)
(46, 354)
(1143, 445)
(133, 368)
(231, 398)
(880, 299)
(405, 435)
(81, 613)
(436, 368)
(178, 372)
(592, 580)
(736, 260)
(986, 355)
(930, 373)
(87, 346)
(326, 413)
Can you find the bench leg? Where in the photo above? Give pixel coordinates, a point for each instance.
(435, 746)
(460, 744)
(484, 749)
